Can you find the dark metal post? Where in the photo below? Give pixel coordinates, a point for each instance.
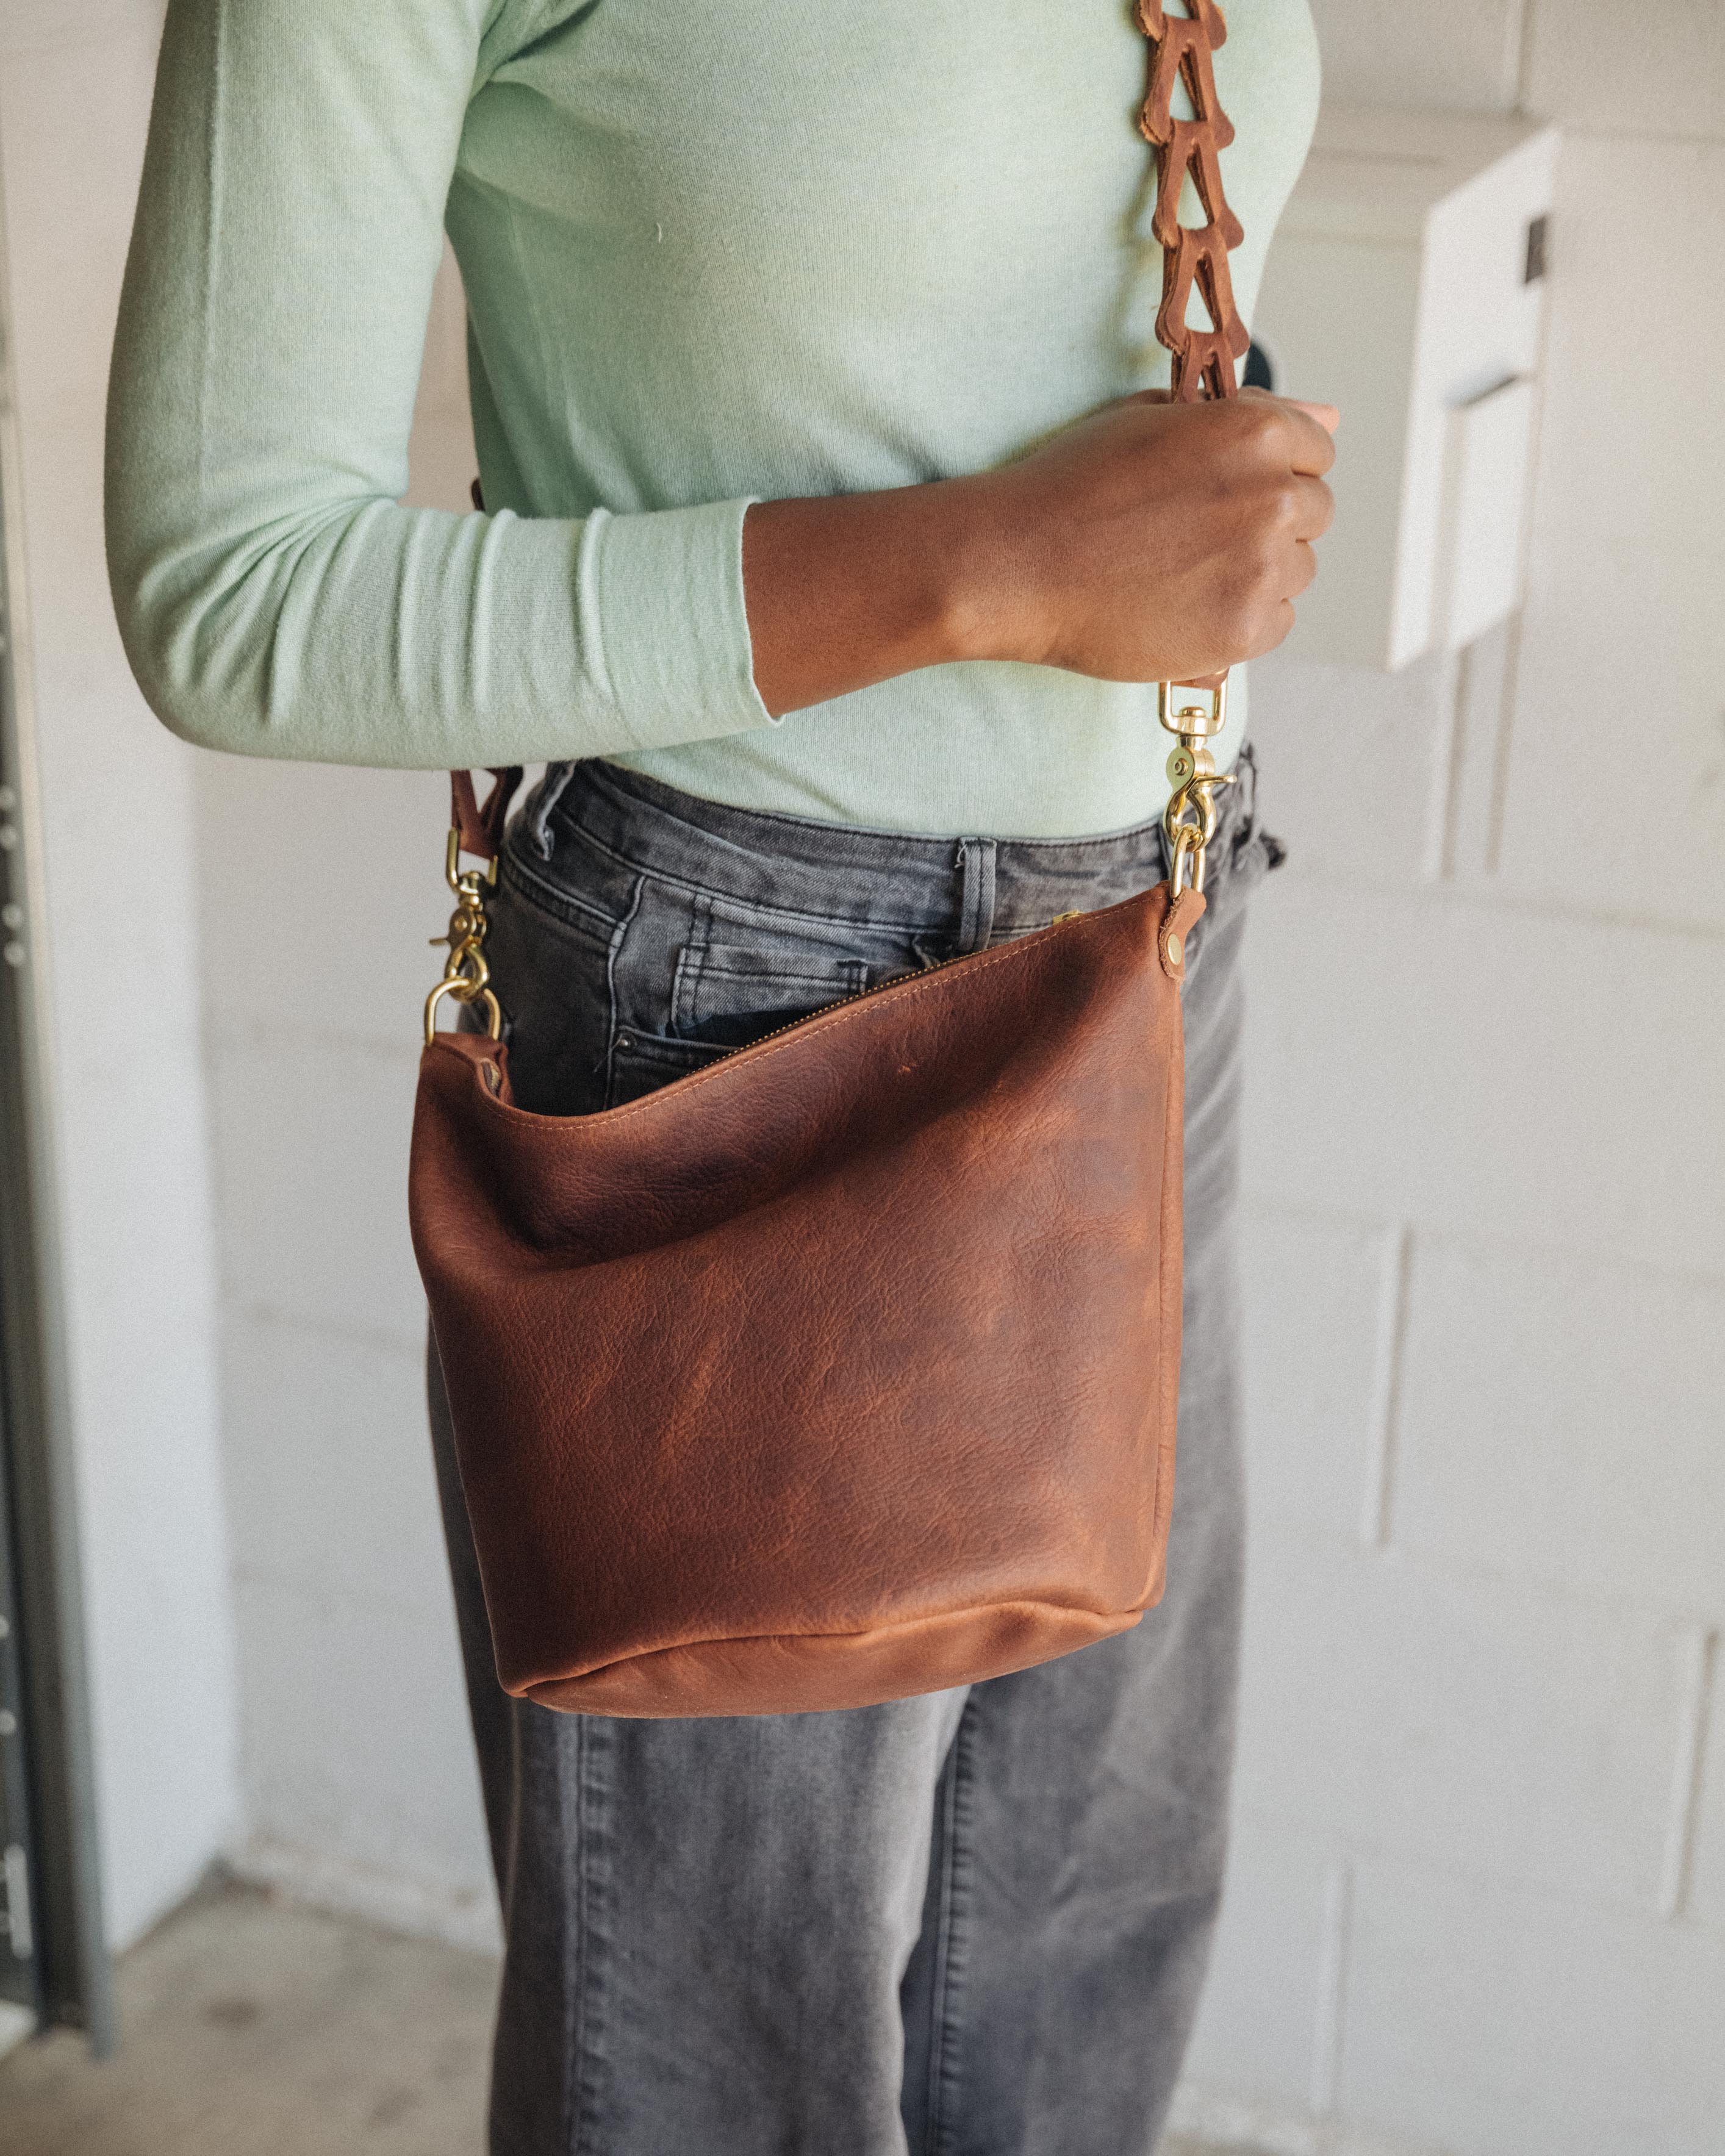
(49, 1861)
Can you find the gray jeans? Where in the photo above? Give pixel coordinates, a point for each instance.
(970, 1924)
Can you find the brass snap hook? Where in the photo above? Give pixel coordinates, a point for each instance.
(466, 974)
(1190, 817)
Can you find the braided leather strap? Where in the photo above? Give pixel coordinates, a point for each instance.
(1204, 360)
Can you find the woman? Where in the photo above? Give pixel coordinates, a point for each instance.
(829, 548)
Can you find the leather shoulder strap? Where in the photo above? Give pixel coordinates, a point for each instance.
(480, 827)
(1181, 46)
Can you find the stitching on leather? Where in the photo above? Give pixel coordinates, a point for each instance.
(862, 1008)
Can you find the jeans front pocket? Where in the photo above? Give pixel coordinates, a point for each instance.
(694, 976)
(640, 1063)
(729, 994)
(549, 950)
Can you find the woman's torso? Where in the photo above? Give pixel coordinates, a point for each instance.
(768, 248)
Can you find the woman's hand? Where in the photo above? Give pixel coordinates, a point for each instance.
(1155, 542)
(1150, 542)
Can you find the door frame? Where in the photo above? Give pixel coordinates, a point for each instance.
(71, 1976)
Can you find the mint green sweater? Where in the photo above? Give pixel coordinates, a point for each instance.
(712, 254)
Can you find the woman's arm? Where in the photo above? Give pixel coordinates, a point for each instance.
(1151, 541)
(273, 598)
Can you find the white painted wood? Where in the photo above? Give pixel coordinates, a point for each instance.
(1395, 290)
(1483, 518)
(1316, 284)
(1622, 667)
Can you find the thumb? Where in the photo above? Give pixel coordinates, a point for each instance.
(1326, 416)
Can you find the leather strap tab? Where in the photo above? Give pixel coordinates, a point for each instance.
(1178, 923)
(481, 828)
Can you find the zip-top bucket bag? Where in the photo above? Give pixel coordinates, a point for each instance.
(847, 1367)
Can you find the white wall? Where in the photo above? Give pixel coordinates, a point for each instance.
(1478, 1899)
(129, 1099)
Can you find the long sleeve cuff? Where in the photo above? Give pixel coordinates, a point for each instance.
(663, 621)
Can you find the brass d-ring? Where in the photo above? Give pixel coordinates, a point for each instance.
(494, 1014)
(1188, 855)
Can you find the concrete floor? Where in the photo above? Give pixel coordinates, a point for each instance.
(252, 2027)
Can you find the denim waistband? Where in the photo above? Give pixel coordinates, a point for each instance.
(975, 886)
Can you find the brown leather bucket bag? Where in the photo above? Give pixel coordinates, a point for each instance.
(847, 1367)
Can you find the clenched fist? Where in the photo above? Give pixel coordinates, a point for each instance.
(1155, 542)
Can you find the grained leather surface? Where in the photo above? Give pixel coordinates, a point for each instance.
(842, 1369)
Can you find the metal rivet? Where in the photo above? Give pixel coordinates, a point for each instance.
(14, 954)
(625, 1040)
(8, 800)
(8, 837)
(8, 1724)
(1173, 950)
(11, 914)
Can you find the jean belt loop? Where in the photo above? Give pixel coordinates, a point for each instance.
(549, 792)
(976, 857)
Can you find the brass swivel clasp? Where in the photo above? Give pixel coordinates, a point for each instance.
(466, 976)
(1190, 817)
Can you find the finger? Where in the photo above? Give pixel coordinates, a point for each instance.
(1312, 450)
(1314, 508)
(1327, 415)
(1309, 447)
(1303, 567)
